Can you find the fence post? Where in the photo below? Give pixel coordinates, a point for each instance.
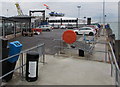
(0, 52)
(43, 53)
(116, 76)
(22, 63)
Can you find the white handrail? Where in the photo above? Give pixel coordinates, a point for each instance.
(114, 58)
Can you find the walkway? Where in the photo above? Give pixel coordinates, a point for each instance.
(70, 71)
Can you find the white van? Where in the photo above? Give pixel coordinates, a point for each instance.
(45, 27)
(62, 27)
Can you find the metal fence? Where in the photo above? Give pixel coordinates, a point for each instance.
(22, 59)
(114, 65)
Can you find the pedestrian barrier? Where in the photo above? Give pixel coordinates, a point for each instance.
(92, 40)
(83, 46)
(78, 45)
(115, 70)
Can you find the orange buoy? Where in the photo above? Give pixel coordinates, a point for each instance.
(69, 36)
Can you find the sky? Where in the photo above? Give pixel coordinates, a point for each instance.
(89, 8)
(59, 0)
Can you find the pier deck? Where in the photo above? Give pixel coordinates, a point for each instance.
(68, 69)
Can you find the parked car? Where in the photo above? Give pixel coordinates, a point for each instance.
(94, 26)
(45, 27)
(85, 30)
(62, 27)
(69, 26)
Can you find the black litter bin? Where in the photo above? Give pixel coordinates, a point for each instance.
(32, 66)
(81, 53)
(7, 67)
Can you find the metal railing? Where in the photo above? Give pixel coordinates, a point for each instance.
(39, 48)
(114, 65)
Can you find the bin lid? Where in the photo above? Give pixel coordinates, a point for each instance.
(69, 36)
(33, 53)
(16, 43)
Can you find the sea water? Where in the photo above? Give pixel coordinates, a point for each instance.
(115, 29)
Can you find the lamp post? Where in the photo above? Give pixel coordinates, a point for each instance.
(84, 20)
(78, 10)
(78, 14)
(7, 13)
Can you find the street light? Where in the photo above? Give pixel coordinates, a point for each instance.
(103, 14)
(78, 10)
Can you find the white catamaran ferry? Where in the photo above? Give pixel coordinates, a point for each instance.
(68, 22)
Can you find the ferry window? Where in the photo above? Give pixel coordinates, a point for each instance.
(59, 21)
(67, 20)
(70, 20)
(63, 20)
(56, 21)
(70, 25)
(51, 21)
(75, 20)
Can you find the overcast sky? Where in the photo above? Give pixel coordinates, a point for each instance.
(60, 0)
(89, 8)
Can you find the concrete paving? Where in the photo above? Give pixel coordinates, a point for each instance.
(69, 68)
(45, 37)
(69, 71)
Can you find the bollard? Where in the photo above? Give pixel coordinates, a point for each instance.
(32, 66)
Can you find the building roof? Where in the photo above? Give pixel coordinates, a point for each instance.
(23, 18)
(2, 17)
